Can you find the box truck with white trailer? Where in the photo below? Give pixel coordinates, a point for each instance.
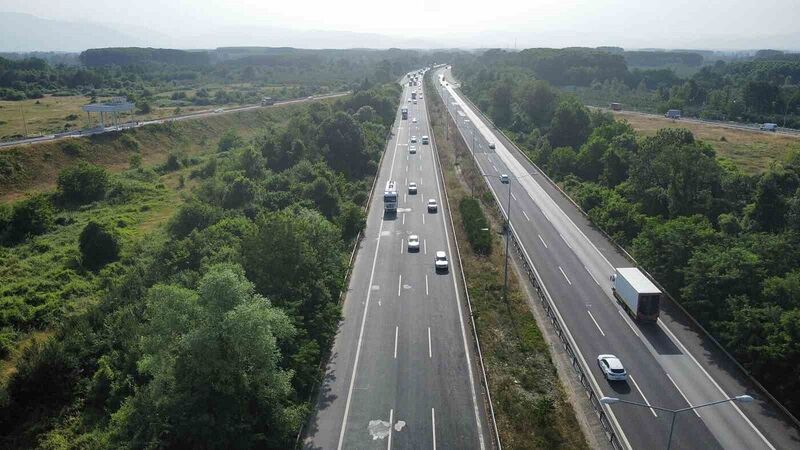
(636, 293)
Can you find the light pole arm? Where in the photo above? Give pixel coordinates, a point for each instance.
(644, 405)
(726, 400)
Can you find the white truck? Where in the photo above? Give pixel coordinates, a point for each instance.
(636, 293)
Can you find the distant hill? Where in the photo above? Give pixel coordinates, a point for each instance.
(26, 33)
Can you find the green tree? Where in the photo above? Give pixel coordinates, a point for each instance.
(538, 101)
(501, 96)
(229, 140)
(99, 245)
(31, 217)
(82, 183)
(571, 124)
(562, 162)
(345, 143)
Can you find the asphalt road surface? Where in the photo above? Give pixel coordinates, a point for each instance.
(403, 372)
(669, 363)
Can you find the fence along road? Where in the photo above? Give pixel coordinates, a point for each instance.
(574, 271)
(403, 371)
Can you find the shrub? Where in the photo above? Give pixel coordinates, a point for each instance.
(193, 215)
(172, 163)
(476, 225)
(82, 183)
(31, 217)
(99, 245)
(72, 149)
(228, 141)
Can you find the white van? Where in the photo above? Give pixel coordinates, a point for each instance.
(769, 127)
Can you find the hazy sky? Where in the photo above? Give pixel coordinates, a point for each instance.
(663, 23)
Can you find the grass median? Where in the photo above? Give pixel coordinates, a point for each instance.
(530, 404)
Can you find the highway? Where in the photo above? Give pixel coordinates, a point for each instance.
(127, 125)
(670, 364)
(403, 372)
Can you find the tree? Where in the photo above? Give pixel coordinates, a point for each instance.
(562, 162)
(500, 108)
(324, 196)
(664, 248)
(99, 245)
(30, 217)
(229, 140)
(192, 215)
(345, 143)
(82, 183)
(239, 193)
(366, 114)
(538, 101)
(770, 206)
(214, 363)
(351, 220)
(571, 124)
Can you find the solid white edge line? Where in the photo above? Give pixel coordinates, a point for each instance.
(565, 275)
(642, 394)
(683, 395)
(364, 316)
(595, 323)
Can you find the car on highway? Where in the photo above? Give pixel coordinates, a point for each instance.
(413, 139)
(412, 188)
(432, 205)
(769, 127)
(413, 243)
(218, 110)
(409, 99)
(425, 140)
(414, 120)
(504, 178)
(491, 145)
(412, 149)
(440, 261)
(415, 102)
(612, 368)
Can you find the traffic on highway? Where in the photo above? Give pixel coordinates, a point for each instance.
(403, 373)
(636, 347)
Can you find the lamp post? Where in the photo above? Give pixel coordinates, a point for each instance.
(739, 398)
(507, 232)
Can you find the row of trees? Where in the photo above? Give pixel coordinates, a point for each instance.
(764, 89)
(213, 330)
(725, 244)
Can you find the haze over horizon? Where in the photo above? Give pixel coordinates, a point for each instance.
(736, 24)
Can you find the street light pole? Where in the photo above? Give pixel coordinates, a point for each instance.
(738, 398)
(508, 238)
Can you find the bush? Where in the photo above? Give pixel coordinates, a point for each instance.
(228, 141)
(172, 163)
(31, 217)
(82, 183)
(476, 225)
(191, 216)
(72, 149)
(99, 245)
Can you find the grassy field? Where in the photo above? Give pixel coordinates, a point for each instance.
(752, 151)
(531, 407)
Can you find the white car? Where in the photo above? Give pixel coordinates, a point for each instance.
(412, 188)
(491, 145)
(414, 120)
(409, 100)
(415, 102)
(412, 149)
(612, 368)
(432, 205)
(440, 261)
(425, 140)
(413, 243)
(413, 139)
(504, 178)
(218, 110)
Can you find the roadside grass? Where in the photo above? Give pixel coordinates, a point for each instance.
(33, 168)
(530, 403)
(753, 152)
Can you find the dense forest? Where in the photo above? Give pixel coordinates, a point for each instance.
(725, 244)
(211, 330)
(142, 72)
(765, 88)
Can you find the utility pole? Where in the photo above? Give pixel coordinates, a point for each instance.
(24, 122)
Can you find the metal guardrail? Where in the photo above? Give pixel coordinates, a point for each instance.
(556, 321)
(485, 380)
(628, 256)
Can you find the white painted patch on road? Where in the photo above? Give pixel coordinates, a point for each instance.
(595, 323)
(565, 275)
(399, 425)
(378, 429)
(540, 238)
